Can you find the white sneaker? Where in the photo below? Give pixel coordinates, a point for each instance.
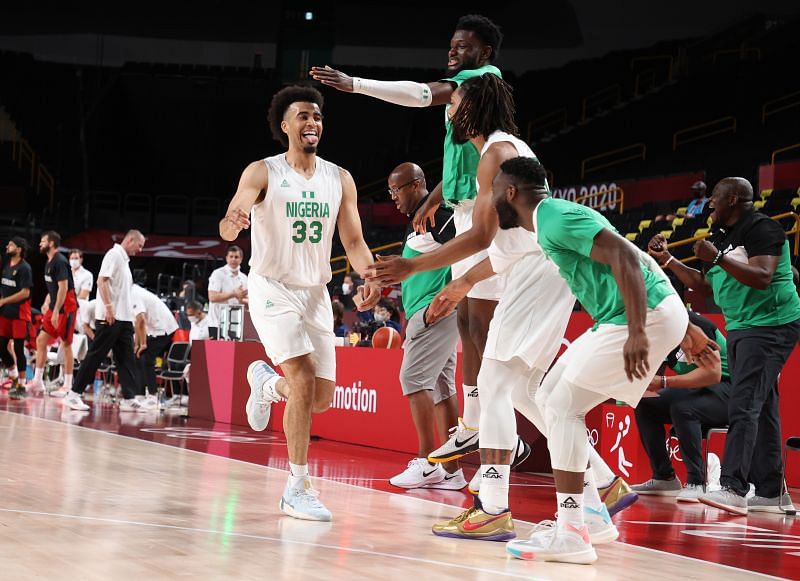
(302, 502)
(463, 440)
(419, 473)
(566, 544)
(601, 528)
(261, 398)
(59, 393)
(690, 493)
(134, 405)
(35, 386)
(454, 481)
(148, 404)
(74, 401)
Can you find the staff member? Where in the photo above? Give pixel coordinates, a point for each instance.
(114, 324)
(748, 270)
(154, 328)
(227, 285)
(83, 279)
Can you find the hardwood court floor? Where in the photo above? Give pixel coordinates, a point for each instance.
(80, 500)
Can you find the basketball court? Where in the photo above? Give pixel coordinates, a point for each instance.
(104, 495)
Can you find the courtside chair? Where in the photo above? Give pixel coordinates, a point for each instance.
(792, 445)
(176, 361)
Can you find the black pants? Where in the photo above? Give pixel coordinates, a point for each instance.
(146, 364)
(753, 446)
(119, 339)
(19, 351)
(688, 410)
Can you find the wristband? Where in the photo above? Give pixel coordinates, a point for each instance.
(664, 382)
(716, 258)
(670, 259)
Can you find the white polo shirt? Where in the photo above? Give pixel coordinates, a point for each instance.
(199, 330)
(224, 280)
(83, 279)
(116, 266)
(86, 314)
(158, 319)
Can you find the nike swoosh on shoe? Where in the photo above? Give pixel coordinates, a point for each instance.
(464, 443)
(470, 526)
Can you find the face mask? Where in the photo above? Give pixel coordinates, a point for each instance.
(346, 288)
(75, 263)
(193, 320)
(379, 318)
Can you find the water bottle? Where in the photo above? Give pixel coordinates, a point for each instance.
(161, 397)
(97, 393)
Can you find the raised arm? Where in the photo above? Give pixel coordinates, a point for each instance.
(690, 277)
(254, 180)
(405, 93)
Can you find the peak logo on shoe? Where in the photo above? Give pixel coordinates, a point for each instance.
(492, 473)
(569, 502)
(459, 444)
(473, 393)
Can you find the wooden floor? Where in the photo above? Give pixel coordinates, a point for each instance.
(82, 503)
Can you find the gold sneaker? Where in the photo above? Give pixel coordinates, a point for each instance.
(473, 523)
(617, 496)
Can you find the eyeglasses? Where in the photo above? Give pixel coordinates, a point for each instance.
(394, 191)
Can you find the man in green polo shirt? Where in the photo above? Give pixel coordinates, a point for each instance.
(747, 268)
(638, 318)
(473, 47)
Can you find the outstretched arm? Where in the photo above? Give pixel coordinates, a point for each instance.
(352, 237)
(405, 93)
(254, 180)
(447, 299)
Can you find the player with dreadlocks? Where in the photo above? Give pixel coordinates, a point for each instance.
(525, 333)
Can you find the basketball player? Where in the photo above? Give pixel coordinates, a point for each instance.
(58, 312)
(526, 331)
(15, 313)
(638, 320)
(473, 47)
(294, 201)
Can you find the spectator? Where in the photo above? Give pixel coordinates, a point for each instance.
(155, 326)
(15, 313)
(199, 321)
(746, 267)
(59, 309)
(83, 279)
(347, 290)
(114, 325)
(339, 328)
(694, 399)
(695, 207)
(386, 312)
(227, 285)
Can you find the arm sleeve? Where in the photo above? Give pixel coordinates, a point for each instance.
(405, 93)
(765, 238)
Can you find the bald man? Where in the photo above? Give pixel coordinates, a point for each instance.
(427, 375)
(746, 266)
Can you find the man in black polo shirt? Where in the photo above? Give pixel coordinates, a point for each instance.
(15, 312)
(747, 268)
(58, 312)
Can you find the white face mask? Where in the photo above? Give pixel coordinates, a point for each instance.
(75, 262)
(346, 288)
(193, 320)
(379, 318)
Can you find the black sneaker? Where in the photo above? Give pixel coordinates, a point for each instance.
(17, 392)
(521, 453)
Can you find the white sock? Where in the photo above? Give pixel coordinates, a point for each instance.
(602, 473)
(271, 386)
(494, 487)
(472, 406)
(570, 509)
(13, 373)
(590, 494)
(297, 473)
(38, 374)
(68, 381)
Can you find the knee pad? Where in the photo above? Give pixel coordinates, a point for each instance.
(498, 423)
(566, 438)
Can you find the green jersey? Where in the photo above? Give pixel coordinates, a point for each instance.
(746, 307)
(460, 163)
(566, 232)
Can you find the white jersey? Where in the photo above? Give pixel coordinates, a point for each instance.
(534, 310)
(292, 228)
